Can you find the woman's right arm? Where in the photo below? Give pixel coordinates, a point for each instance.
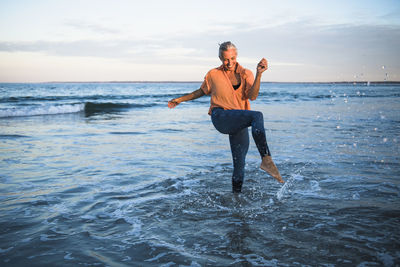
(193, 95)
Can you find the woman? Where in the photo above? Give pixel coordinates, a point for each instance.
(231, 86)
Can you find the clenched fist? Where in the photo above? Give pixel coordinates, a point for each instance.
(262, 66)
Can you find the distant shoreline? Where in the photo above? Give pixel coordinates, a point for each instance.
(340, 82)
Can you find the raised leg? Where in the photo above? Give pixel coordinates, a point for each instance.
(235, 123)
(232, 121)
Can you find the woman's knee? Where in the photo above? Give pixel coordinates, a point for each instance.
(258, 121)
(258, 116)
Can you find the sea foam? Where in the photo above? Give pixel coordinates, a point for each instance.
(41, 110)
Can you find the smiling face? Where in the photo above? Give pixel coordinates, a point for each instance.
(228, 59)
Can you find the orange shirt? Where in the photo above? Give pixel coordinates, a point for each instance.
(223, 94)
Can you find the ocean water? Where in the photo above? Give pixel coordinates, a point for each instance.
(104, 174)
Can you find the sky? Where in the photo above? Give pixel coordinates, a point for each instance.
(177, 40)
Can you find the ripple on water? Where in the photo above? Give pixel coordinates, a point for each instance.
(195, 219)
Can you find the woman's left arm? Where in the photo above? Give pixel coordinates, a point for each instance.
(261, 67)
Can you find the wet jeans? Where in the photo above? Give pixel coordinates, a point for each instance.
(235, 123)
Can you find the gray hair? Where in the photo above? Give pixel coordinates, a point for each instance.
(225, 46)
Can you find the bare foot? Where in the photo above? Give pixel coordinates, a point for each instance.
(269, 166)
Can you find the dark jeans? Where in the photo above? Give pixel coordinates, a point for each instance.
(235, 123)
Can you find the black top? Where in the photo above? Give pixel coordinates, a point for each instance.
(236, 86)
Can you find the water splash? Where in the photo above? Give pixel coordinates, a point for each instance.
(286, 188)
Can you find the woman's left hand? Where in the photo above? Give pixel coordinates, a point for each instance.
(262, 66)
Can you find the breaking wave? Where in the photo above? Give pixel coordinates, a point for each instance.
(41, 110)
(88, 108)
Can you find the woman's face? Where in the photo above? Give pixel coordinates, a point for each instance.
(228, 59)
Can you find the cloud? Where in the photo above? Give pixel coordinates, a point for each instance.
(82, 48)
(295, 43)
(392, 16)
(129, 51)
(92, 27)
(304, 42)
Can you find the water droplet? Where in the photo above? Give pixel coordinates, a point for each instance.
(315, 186)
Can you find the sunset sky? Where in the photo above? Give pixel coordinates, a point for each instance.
(174, 40)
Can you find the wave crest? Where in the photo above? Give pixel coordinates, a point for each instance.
(41, 110)
(89, 108)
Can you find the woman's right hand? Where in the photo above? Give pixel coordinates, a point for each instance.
(193, 95)
(173, 103)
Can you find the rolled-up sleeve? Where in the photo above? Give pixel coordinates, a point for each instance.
(205, 86)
